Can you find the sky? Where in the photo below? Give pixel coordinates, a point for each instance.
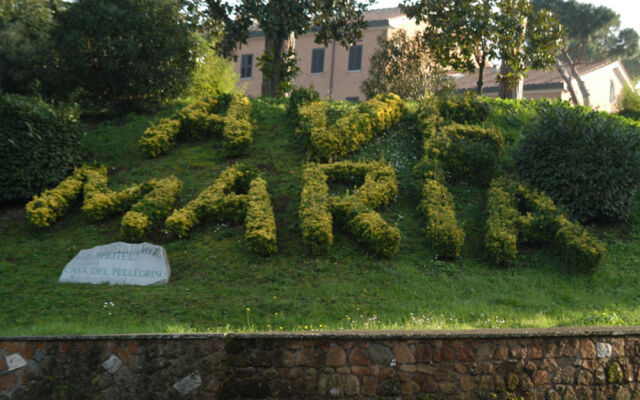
(629, 10)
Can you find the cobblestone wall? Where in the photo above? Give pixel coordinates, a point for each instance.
(539, 364)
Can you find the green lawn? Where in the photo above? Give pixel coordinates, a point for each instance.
(218, 285)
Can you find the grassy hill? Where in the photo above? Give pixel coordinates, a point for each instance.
(217, 284)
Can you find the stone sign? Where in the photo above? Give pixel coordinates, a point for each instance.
(138, 264)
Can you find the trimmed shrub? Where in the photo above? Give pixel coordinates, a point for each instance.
(226, 116)
(467, 152)
(299, 97)
(577, 247)
(312, 117)
(463, 109)
(40, 146)
(200, 120)
(238, 131)
(101, 202)
(519, 214)
(442, 229)
(219, 201)
(501, 240)
(586, 161)
(260, 223)
(50, 205)
(316, 221)
(330, 141)
(227, 200)
(372, 230)
(151, 209)
(160, 137)
(354, 211)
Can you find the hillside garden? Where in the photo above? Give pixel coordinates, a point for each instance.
(300, 214)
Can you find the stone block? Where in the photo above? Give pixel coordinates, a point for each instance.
(369, 386)
(358, 357)
(336, 356)
(410, 388)
(8, 382)
(467, 383)
(352, 386)
(403, 354)
(360, 370)
(587, 349)
(380, 354)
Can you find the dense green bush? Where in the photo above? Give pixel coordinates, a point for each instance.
(40, 144)
(212, 75)
(24, 34)
(586, 161)
(353, 212)
(519, 214)
(123, 55)
(467, 152)
(628, 103)
(463, 109)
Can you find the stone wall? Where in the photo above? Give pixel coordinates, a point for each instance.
(501, 364)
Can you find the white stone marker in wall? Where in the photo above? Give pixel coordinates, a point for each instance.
(138, 264)
(603, 350)
(15, 361)
(112, 365)
(188, 384)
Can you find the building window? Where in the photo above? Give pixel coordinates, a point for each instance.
(354, 98)
(612, 92)
(317, 61)
(246, 64)
(355, 58)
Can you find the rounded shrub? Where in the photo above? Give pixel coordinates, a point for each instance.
(40, 145)
(586, 161)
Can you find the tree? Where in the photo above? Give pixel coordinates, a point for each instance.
(401, 65)
(465, 34)
(24, 34)
(125, 55)
(281, 21)
(591, 34)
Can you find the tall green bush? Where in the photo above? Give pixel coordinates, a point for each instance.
(39, 145)
(587, 161)
(24, 36)
(628, 103)
(125, 55)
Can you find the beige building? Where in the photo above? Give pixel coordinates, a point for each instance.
(335, 72)
(604, 81)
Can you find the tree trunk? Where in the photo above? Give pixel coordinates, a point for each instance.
(505, 90)
(272, 68)
(481, 66)
(576, 76)
(567, 80)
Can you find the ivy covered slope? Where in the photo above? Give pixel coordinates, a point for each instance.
(301, 232)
